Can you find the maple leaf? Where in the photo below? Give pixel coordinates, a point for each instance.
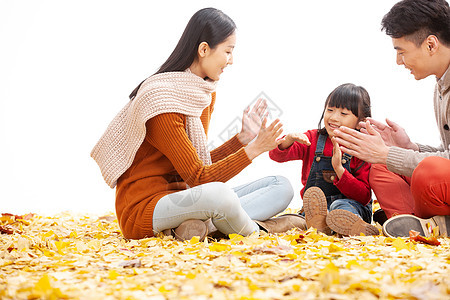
(415, 236)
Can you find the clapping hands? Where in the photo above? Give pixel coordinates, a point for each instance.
(392, 133)
(336, 160)
(254, 126)
(252, 120)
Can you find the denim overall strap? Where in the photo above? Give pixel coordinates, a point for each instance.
(346, 158)
(321, 144)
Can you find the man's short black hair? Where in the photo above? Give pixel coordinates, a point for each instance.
(415, 20)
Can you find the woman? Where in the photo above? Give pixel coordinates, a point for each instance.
(155, 150)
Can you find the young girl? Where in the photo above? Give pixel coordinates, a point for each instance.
(155, 150)
(333, 181)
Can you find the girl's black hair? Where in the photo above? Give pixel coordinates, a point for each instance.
(208, 25)
(349, 96)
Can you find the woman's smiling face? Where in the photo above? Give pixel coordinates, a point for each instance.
(212, 62)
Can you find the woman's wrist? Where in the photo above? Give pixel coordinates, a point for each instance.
(252, 151)
(243, 138)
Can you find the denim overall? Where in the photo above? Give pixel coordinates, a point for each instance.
(322, 175)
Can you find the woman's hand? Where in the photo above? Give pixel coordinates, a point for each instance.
(336, 160)
(392, 134)
(251, 121)
(267, 139)
(290, 138)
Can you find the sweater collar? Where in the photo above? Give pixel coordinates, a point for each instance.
(444, 81)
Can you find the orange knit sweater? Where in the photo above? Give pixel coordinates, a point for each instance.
(165, 162)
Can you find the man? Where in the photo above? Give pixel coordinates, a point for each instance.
(411, 181)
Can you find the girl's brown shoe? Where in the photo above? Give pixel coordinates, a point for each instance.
(347, 223)
(315, 207)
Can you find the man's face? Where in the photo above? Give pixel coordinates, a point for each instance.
(416, 59)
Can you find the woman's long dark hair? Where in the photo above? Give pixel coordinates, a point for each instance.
(352, 97)
(208, 25)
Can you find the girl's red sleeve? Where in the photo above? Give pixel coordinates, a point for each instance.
(296, 151)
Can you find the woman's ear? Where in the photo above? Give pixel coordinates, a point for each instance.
(203, 49)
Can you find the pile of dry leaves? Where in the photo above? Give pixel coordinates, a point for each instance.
(71, 256)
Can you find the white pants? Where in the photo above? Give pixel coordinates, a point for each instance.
(230, 209)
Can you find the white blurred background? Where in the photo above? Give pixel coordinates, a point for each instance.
(67, 67)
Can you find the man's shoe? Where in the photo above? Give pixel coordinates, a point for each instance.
(347, 223)
(190, 228)
(379, 216)
(399, 226)
(444, 225)
(315, 207)
(283, 223)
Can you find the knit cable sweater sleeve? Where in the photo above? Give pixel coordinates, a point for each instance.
(227, 148)
(404, 161)
(167, 133)
(427, 148)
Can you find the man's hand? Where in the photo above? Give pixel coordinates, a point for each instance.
(392, 134)
(368, 146)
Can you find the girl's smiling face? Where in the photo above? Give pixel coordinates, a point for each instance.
(212, 62)
(335, 117)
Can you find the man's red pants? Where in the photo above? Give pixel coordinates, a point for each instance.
(425, 194)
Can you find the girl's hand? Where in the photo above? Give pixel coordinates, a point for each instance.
(267, 139)
(290, 138)
(251, 121)
(336, 160)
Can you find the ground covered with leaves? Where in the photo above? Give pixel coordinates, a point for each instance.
(69, 256)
